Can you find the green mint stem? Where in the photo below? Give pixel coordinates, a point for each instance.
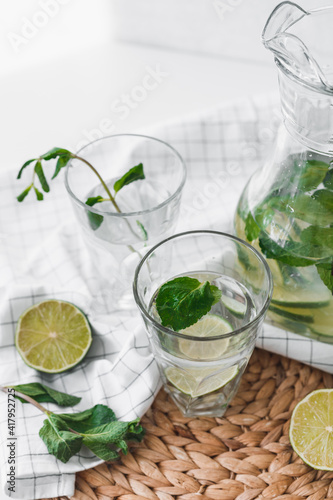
(33, 402)
(27, 398)
(112, 199)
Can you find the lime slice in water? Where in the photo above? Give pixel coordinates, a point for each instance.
(302, 298)
(199, 381)
(208, 326)
(311, 429)
(236, 307)
(53, 336)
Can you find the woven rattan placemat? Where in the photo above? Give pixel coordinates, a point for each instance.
(243, 456)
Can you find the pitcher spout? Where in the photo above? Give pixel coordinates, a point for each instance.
(291, 33)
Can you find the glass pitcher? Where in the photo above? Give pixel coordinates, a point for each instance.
(286, 210)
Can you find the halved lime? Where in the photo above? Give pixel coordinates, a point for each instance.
(311, 429)
(199, 381)
(236, 307)
(208, 326)
(53, 336)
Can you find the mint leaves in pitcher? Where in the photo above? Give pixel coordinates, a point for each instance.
(293, 227)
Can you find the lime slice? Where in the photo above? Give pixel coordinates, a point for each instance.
(199, 381)
(53, 336)
(318, 320)
(302, 298)
(322, 321)
(236, 307)
(291, 314)
(311, 429)
(208, 326)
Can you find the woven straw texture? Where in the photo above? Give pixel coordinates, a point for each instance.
(243, 456)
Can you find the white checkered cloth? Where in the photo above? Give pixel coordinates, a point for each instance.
(42, 256)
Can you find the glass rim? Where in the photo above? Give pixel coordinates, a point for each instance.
(235, 332)
(138, 212)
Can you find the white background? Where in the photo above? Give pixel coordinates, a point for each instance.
(64, 63)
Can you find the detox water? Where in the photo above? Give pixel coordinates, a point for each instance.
(301, 301)
(202, 373)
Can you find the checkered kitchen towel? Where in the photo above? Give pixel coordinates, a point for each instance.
(42, 256)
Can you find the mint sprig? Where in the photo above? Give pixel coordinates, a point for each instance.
(65, 433)
(63, 156)
(182, 301)
(134, 174)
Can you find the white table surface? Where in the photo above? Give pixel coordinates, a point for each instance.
(60, 102)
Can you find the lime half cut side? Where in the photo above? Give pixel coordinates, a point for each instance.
(53, 336)
(311, 429)
(199, 381)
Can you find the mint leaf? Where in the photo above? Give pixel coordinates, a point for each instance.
(62, 162)
(88, 419)
(93, 200)
(23, 167)
(104, 440)
(39, 195)
(59, 440)
(24, 193)
(326, 274)
(288, 253)
(95, 220)
(182, 301)
(328, 181)
(42, 179)
(252, 230)
(319, 236)
(134, 174)
(313, 174)
(244, 258)
(325, 198)
(54, 153)
(306, 208)
(44, 394)
(101, 449)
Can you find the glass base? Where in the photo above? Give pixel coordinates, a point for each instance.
(213, 404)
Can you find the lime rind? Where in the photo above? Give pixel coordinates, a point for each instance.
(53, 336)
(236, 307)
(312, 424)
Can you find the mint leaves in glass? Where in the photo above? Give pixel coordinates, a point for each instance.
(202, 313)
(286, 210)
(125, 192)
